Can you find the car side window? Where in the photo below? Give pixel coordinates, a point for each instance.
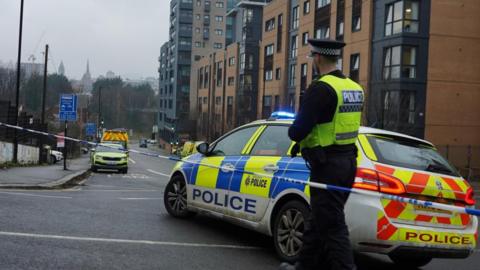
(274, 141)
(233, 144)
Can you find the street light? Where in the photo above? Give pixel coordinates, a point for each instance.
(17, 93)
(99, 120)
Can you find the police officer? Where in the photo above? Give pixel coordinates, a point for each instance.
(325, 129)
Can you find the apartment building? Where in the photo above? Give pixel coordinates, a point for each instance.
(286, 70)
(424, 78)
(196, 27)
(227, 81)
(414, 59)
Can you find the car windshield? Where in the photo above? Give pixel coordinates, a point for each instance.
(110, 148)
(410, 154)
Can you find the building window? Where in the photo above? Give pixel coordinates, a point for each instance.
(306, 7)
(170, 103)
(354, 66)
(292, 76)
(356, 15)
(218, 100)
(323, 32)
(269, 50)
(217, 45)
(398, 109)
(279, 33)
(198, 44)
(231, 61)
(231, 81)
(278, 74)
(304, 70)
(340, 29)
(294, 47)
(197, 16)
(268, 75)
(219, 4)
(247, 16)
(270, 25)
(242, 61)
(402, 16)
(305, 38)
(400, 62)
(199, 3)
(295, 18)
(219, 32)
(219, 18)
(322, 3)
(197, 30)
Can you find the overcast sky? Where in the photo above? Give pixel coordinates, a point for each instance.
(123, 36)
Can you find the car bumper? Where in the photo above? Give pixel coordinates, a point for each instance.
(104, 165)
(372, 231)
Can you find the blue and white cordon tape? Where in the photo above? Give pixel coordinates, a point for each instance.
(441, 206)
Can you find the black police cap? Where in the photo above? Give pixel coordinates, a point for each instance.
(326, 47)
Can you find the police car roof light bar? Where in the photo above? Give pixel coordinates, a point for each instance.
(282, 115)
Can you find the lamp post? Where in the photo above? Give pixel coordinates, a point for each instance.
(17, 93)
(99, 120)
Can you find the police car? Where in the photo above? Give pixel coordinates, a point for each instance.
(213, 181)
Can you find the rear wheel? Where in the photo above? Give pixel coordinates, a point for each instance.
(288, 228)
(410, 261)
(175, 198)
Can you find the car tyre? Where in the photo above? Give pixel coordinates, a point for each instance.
(124, 171)
(410, 262)
(94, 169)
(54, 159)
(175, 198)
(288, 228)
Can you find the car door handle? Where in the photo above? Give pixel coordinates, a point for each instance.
(271, 168)
(229, 167)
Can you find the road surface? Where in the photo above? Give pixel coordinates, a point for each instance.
(116, 221)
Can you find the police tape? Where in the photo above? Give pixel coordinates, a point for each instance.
(440, 206)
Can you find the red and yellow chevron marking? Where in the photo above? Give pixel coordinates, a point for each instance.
(409, 212)
(388, 232)
(426, 184)
(115, 136)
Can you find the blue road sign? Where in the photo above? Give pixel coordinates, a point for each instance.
(90, 129)
(68, 107)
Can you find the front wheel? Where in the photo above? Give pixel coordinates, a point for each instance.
(175, 198)
(288, 228)
(410, 261)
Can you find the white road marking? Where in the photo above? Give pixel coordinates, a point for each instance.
(109, 176)
(133, 161)
(159, 173)
(126, 241)
(139, 199)
(35, 195)
(123, 190)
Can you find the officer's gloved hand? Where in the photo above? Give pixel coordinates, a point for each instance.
(295, 150)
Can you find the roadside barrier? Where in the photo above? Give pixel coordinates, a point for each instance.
(441, 206)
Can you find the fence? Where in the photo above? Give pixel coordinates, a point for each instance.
(466, 158)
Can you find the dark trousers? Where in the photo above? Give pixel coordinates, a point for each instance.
(326, 243)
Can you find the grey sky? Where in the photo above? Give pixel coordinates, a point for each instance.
(119, 35)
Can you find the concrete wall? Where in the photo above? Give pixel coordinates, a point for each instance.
(26, 154)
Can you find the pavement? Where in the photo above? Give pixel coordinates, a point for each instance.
(116, 221)
(50, 176)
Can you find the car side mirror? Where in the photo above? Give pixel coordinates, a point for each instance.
(202, 148)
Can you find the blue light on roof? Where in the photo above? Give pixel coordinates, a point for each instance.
(282, 115)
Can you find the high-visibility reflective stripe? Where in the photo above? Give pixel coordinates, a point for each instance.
(346, 135)
(207, 176)
(255, 185)
(367, 148)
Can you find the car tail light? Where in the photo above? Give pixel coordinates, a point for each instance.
(369, 179)
(470, 197)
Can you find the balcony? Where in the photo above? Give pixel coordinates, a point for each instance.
(206, 22)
